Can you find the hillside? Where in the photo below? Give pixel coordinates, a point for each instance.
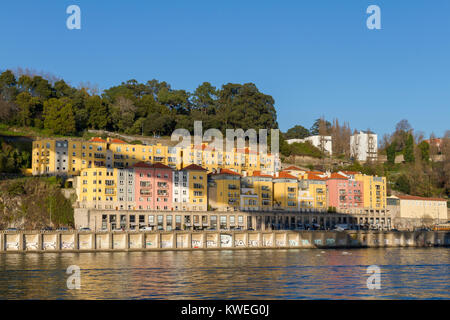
(29, 202)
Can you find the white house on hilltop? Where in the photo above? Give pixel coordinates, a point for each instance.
(322, 142)
(364, 146)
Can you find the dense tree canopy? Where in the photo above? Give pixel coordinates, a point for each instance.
(297, 132)
(151, 108)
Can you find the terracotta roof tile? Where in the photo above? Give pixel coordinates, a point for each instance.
(142, 164)
(117, 141)
(284, 175)
(259, 174)
(194, 167)
(335, 175)
(408, 197)
(229, 172)
(294, 168)
(312, 176)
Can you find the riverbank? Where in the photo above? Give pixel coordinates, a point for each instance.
(73, 241)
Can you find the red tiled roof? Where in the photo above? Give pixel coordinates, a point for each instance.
(202, 147)
(294, 168)
(351, 172)
(284, 175)
(246, 150)
(314, 172)
(408, 197)
(229, 172)
(158, 165)
(194, 167)
(312, 176)
(97, 139)
(117, 141)
(142, 164)
(259, 174)
(335, 175)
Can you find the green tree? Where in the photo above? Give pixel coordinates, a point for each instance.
(390, 152)
(297, 132)
(8, 83)
(123, 112)
(424, 148)
(160, 124)
(59, 116)
(402, 184)
(204, 97)
(408, 152)
(243, 106)
(316, 126)
(97, 111)
(27, 107)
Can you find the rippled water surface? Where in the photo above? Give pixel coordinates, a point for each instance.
(406, 273)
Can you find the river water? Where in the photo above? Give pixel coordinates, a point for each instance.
(406, 273)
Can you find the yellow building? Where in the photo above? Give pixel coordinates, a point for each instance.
(125, 155)
(43, 159)
(312, 193)
(285, 191)
(410, 212)
(97, 188)
(70, 156)
(260, 185)
(67, 157)
(374, 190)
(224, 190)
(198, 187)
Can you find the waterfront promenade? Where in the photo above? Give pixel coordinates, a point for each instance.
(74, 241)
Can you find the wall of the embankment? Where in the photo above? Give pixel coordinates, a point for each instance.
(72, 241)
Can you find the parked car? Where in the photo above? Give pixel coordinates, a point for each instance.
(12, 229)
(146, 228)
(341, 227)
(85, 229)
(47, 228)
(62, 229)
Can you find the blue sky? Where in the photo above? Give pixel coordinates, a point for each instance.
(314, 57)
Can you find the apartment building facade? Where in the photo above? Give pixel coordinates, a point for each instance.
(68, 157)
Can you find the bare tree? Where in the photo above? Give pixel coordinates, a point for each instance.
(7, 110)
(90, 88)
(434, 149)
(445, 149)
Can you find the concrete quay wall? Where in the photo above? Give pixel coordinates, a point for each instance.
(72, 241)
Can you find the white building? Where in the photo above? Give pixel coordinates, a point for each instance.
(364, 146)
(322, 142)
(180, 190)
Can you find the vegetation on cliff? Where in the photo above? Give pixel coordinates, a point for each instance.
(29, 203)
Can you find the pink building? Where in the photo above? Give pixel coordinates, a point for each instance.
(153, 186)
(344, 193)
